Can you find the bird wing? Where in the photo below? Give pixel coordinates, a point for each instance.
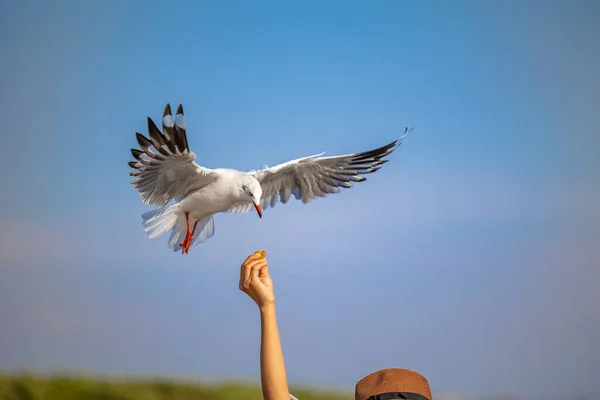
(314, 176)
(240, 207)
(165, 168)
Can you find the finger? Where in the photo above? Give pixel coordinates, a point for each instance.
(256, 268)
(251, 257)
(242, 281)
(244, 265)
(254, 275)
(248, 266)
(248, 270)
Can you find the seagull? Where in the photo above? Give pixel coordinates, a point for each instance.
(165, 169)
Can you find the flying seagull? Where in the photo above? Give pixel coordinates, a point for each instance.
(165, 169)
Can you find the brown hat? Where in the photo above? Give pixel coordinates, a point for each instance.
(392, 380)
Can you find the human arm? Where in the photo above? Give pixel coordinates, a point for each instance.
(256, 282)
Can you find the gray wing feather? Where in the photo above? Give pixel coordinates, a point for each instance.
(315, 176)
(241, 207)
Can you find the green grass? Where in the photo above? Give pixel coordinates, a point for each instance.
(26, 387)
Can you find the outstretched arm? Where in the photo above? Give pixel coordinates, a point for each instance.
(272, 367)
(256, 282)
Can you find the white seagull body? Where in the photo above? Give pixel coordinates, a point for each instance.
(165, 170)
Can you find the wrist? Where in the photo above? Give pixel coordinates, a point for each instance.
(267, 309)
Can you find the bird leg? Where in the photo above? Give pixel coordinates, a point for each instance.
(183, 243)
(189, 236)
(187, 220)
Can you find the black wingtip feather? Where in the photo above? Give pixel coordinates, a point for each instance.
(132, 164)
(152, 128)
(162, 140)
(167, 110)
(144, 142)
(136, 153)
(179, 138)
(171, 133)
(185, 141)
(156, 136)
(180, 133)
(173, 138)
(181, 128)
(376, 153)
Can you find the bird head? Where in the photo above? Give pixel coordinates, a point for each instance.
(253, 192)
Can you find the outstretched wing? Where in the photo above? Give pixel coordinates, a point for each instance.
(314, 176)
(164, 168)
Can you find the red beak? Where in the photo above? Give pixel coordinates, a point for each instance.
(258, 210)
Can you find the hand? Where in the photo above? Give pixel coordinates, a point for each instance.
(256, 282)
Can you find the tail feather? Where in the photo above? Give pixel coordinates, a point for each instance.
(205, 229)
(178, 234)
(158, 222)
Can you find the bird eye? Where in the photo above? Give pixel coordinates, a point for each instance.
(250, 194)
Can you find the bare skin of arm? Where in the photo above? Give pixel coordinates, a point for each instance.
(256, 282)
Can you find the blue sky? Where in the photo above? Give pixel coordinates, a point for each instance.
(472, 256)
